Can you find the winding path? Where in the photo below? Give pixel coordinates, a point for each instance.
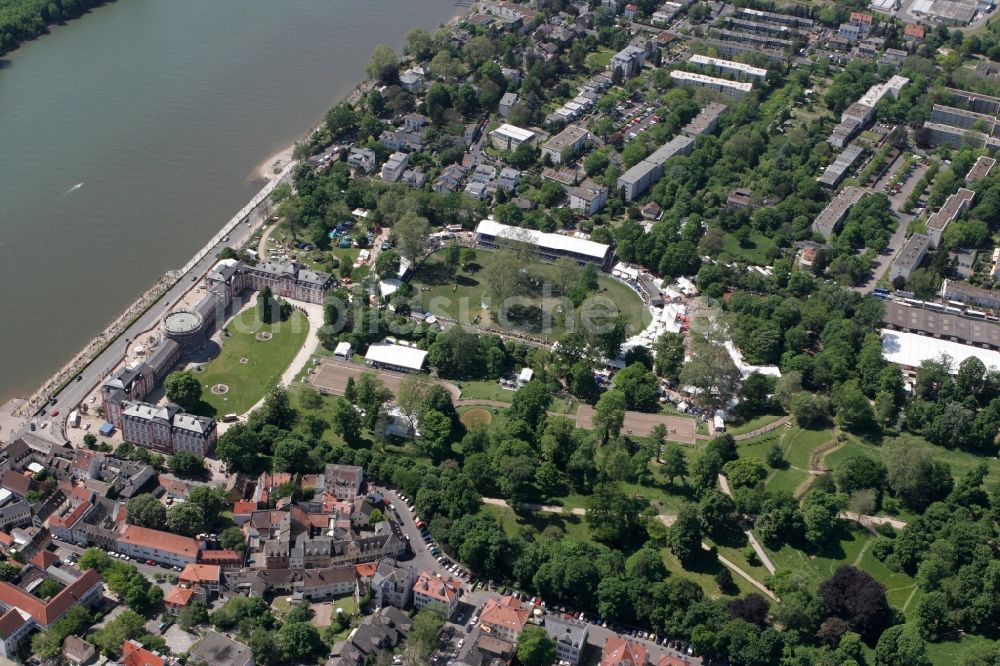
(757, 548)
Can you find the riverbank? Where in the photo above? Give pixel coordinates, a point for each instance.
(18, 26)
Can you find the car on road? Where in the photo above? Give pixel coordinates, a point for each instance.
(79, 378)
(151, 563)
(55, 412)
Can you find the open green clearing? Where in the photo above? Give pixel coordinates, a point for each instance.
(754, 250)
(490, 389)
(461, 299)
(265, 361)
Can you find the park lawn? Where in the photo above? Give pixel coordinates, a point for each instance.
(574, 527)
(900, 589)
(755, 251)
(248, 382)
(752, 424)
(817, 567)
(486, 389)
(702, 571)
(461, 299)
(956, 648)
(598, 61)
(798, 446)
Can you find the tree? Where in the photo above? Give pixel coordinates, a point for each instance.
(383, 65)
(716, 511)
(435, 434)
(265, 305)
(914, 476)
(345, 420)
(186, 518)
(184, 389)
(857, 598)
(674, 463)
(187, 464)
(744, 473)
(819, 512)
(411, 232)
(534, 647)
(9, 571)
(809, 411)
(710, 370)
(298, 640)
(854, 412)
(427, 624)
(127, 625)
(232, 539)
(613, 516)
(292, 455)
(146, 511)
(419, 44)
(387, 264)
(210, 500)
(684, 536)
(47, 645)
(193, 615)
(531, 402)
(639, 386)
(901, 645)
(609, 414)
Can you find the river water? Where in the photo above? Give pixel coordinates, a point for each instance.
(130, 136)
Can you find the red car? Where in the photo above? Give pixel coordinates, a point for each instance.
(151, 563)
(55, 412)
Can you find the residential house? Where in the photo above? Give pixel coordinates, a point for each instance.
(621, 652)
(589, 198)
(134, 654)
(629, 60)
(509, 137)
(415, 178)
(326, 583)
(382, 631)
(504, 617)
(432, 588)
(507, 102)
(77, 651)
(361, 159)
(219, 650)
(393, 168)
(570, 637)
(343, 481)
(450, 179)
(392, 585)
(508, 179)
(204, 579)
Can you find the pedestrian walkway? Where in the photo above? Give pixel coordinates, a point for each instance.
(757, 548)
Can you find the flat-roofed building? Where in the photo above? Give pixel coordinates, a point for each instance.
(830, 218)
(509, 137)
(795, 22)
(948, 213)
(949, 12)
(218, 650)
(981, 169)
(567, 143)
(977, 102)
(735, 89)
(394, 167)
(706, 121)
(950, 115)
(910, 350)
(988, 299)
(731, 49)
(641, 177)
(753, 39)
(589, 198)
(630, 60)
(909, 258)
(841, 166)
(550, 246)
(737, 69)
(941, 321)
(395, 357)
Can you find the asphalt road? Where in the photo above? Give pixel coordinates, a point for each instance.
(76, 391)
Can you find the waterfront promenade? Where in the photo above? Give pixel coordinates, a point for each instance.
(238, 229)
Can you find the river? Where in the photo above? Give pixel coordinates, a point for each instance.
(130, 136)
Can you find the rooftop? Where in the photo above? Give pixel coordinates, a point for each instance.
(980, 169)
(218, 650)
(912, 349)
(936, 320)
(45, 613)
(514, 132)
(955, 204)
(913, 251)
(711, 80)
(750, 70)
(144, 537)
(544, 240)
(398, 355)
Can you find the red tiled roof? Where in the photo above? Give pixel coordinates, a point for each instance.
(219, 556)
(178, 596)
(667, 660)
(10, 622)
(620, 652)
(44, 559)
(6, 539)
(201, 573)
(47, 613)
(507, 612)
(441, 589)
(133, 654)
(244, 507)
(157, 540)
(366, 569)
(912, 30)
(70, 518)
(15, 482)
